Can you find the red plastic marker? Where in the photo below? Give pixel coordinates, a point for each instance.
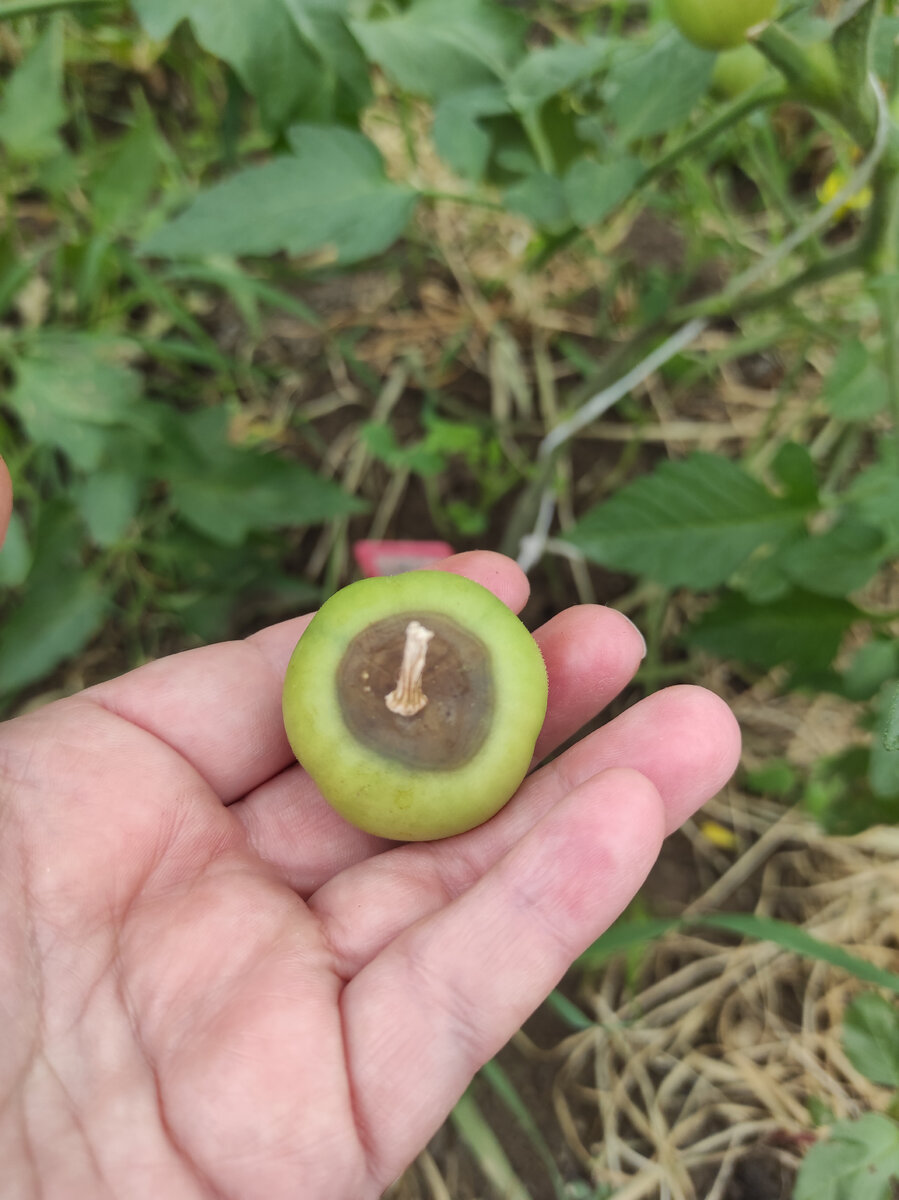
(387, 557)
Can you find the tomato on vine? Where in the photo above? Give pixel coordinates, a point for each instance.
(719, 24)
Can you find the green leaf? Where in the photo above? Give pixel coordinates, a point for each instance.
(593, 190)
(871, 1038)
(546, 72)
(856, 388)
(71, 390)
(837, 562)
(874, 494)
(540, 198)
(872, 665)
(61, 605)
(224, 492)
(434, 49)
(291, 77)
(15, 553)
(120, 190)
(856, 1163)
(49, 626)
(333, 192)
(459, 133)
(797, 941)
(656, 89)
(689, 523)
(800, 629)
(108, 503)
(32, 107)
(795, 469)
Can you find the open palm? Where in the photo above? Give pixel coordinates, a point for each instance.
(212, 986)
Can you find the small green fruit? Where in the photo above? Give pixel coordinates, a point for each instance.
(719, 24)
(736, 71)
(414, 701)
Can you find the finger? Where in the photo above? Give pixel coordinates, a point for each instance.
(5, 499)
(219, 706)
(450, 991)
(684, 740)
(590, 653)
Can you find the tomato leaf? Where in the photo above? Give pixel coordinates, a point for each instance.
(32, 107)
(72, 390)
(689, 523)
(871, 1038)
(434, 49)
(593, 189)
(225, 492)
(857, 1162)
(546, 72)
(801, 628)
(331, 193)
(290, 54)
(656, 88)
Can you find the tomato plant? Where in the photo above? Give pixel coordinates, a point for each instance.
(721, 25)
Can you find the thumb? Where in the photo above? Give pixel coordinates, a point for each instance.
(5, 499)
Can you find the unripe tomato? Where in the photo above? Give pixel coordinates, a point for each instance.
(736, 71)
(718, 24)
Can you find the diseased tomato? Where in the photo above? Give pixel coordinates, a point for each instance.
(718, 24)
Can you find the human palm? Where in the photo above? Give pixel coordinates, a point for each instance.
(212, 986)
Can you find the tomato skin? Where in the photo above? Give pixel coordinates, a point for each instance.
(718, 24)
(736, 71)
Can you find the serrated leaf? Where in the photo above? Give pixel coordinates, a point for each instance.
(331, 193)
(32, 107)
(856, 388)
(837, 562)
(871, 1038)
(262, 42)
(225, 493)
(553, 69)
(71, 390)
(434, 49)
(800, 629)
(689, 523)
(460, 136)
(593, 190)
(679, 74)
(541, 198)
(120, 190)
(856, 1163)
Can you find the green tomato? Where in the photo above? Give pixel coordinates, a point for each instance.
(736, 71)
(414, 701)
(718, 24)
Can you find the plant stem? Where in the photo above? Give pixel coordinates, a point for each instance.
(762, 96)
(530, 122)
(459, 198)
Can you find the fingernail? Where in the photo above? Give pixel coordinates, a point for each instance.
(638, 633)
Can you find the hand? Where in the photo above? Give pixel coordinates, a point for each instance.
(212, 986)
